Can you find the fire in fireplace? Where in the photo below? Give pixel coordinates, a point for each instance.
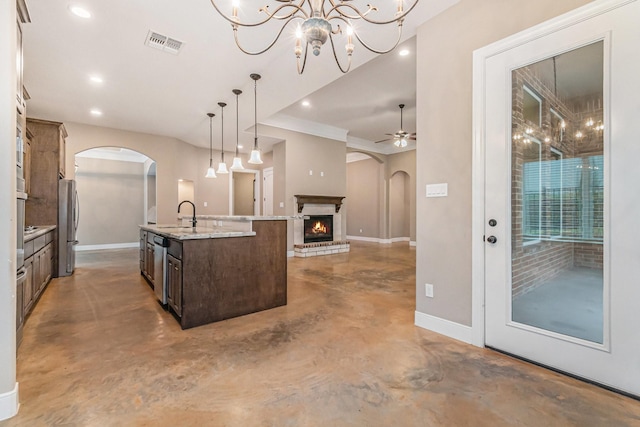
(318, 228)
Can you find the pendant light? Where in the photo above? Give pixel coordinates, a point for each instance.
(255, 153)
(211, 173)
(237, 161)
(222, 166)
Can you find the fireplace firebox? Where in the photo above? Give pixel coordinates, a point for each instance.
(318, 228)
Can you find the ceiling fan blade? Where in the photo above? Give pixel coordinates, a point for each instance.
(412, 138)
(383, 140)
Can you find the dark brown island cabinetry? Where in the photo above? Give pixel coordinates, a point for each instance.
(219, 277)
(147, 254)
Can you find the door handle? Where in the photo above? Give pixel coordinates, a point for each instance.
(492, 239)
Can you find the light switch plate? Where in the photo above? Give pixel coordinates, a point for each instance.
(428, 290)
(282, 204)
(437, 190)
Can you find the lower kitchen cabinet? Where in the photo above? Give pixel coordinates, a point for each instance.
(28, 286)
(38, 265)
(174, 284)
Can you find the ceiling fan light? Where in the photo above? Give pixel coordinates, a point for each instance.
(396, 143)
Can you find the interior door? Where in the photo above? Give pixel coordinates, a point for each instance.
(561, 154)
(267, 179)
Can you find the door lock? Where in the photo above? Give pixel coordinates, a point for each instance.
(493, 222)
(492, 239)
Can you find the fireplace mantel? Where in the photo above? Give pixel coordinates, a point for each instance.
(321, 200)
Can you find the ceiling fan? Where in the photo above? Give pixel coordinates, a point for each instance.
(401, 137)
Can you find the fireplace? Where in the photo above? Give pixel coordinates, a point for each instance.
(318, 228)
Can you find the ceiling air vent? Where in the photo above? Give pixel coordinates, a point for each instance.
(162, 42)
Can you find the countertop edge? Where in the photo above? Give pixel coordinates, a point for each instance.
(198, 235)
(42, 230)
(242, 218)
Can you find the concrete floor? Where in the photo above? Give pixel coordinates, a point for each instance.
(99, 351)
(570, 304)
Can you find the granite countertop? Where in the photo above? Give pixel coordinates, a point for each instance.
(189, 233)
(240, 218)
(38, 230)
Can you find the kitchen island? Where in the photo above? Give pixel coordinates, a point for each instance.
(231, 267)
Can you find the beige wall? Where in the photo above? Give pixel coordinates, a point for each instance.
(299, 154)
(174, 159)
(445, 46)
(364, 196)
(389, 165)
(111, 195)
(406, 162)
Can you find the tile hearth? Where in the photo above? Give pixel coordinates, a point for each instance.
(306, 250)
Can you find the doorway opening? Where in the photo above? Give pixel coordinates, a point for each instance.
(116, 192)
(244, 192)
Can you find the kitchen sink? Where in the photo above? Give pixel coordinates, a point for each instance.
(31, 229)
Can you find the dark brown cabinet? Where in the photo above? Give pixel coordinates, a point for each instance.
(147, 255)
(28, 285)
(174, 284)
(38, 266)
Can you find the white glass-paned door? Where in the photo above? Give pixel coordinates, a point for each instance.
(561, 144)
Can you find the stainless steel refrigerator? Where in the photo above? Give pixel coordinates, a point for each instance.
(68, 217)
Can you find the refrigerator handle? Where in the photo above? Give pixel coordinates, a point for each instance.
(77, 214)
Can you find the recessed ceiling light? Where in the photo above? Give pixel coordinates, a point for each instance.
(96, 79)
(80, 11)
(96, 112)
(404, 52)
(240, 146)
(306, 103)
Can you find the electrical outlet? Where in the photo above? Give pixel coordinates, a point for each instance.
(321, 173)
(282, 204)
(205, 204)
(310, 172)
(361, 231)
(428, 290)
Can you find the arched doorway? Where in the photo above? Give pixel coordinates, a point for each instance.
(116, 192)
(399, 207)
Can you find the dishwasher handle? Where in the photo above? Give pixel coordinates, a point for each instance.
(161, 241)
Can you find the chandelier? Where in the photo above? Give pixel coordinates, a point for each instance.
(318, 21)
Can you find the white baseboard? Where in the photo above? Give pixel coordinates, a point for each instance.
(81, 248)
(378, 240)
(9, 403)
(291, 254)
(444, 327)
(412, 243)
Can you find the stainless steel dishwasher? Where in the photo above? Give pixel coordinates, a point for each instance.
(160, 268)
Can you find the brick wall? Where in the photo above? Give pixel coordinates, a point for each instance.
(588, 255)
(536, 263)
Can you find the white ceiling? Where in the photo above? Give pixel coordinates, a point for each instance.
(147, 90)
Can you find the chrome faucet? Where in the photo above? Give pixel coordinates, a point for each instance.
(194, 221)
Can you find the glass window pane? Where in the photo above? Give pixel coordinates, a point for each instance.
(557, 194)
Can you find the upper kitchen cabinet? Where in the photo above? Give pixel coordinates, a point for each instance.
(22, 18)
(47, 150)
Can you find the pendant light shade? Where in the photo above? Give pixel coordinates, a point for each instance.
(255, 157)
(222, 166)
(237, 161)
(211, 173)
(255, 153)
